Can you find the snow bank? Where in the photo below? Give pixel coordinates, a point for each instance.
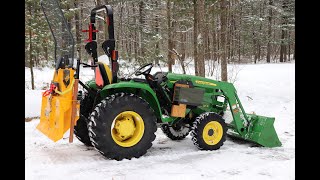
(32, 103)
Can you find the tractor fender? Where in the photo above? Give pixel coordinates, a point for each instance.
(141, 89)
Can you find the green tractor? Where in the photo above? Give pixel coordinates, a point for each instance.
(119, 116)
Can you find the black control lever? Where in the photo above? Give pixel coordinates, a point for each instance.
(88, 65)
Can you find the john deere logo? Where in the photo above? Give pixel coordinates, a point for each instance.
(66, 77)
(205, 83)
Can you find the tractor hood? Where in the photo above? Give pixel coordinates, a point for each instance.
(196, 80)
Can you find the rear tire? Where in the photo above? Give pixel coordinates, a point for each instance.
(209, 131)
(103, 124)
(81, 129)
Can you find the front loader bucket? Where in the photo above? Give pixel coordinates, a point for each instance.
(261, 131)
(56, 109)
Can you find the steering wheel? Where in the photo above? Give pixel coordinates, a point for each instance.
(145, 69)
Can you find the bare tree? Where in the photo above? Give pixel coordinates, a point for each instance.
(179, 56)
(201, 38)
(141, 30)
(201, 30)
(223, 8)
(170, 22)
(78, 26)
(157, 49)
(284, 31)
(30, 48)
(269, 31)
(195, 37)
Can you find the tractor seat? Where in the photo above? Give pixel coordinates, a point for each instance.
(139, 80)
(160, 76)
(106, 75)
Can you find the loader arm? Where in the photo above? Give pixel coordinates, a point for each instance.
(240, 118)
(227, 90)
(251, 127)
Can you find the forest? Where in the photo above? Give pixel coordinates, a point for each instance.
(203, 32)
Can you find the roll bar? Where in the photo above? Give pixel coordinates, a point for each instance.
(108, 45)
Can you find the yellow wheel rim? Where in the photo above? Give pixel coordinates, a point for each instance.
(127, 128)
(212, 133)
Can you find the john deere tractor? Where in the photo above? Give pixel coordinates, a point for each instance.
(119, 116)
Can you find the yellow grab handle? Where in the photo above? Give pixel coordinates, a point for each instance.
(66, 91)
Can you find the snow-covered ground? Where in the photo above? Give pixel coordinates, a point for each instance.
(266, 89)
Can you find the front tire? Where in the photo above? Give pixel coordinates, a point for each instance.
(122, 126)
(209, 131)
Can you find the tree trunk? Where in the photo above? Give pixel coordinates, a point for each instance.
(233, 32)
(157, 49)
(283, 50)
(183, 50)
(282, 46)
(81, 26)
(223, 16)
(37, 56)
(195, 37)
(294, 51)
(260, 32)
(120, 32)
(170, 33)
(78, 28)
(36, 41)
(45, 49)
(173, 31)
(30, 48)
(254, 38)
(214, 35)
(128, 35)
(141, 33)
(180, 60)
(289, 47)
(105, 33)
(135, 43)
(269, 31)
(228, 32)
(254, 47)
(239, 34)
(100, 27)
(206, 36)
(201, 29)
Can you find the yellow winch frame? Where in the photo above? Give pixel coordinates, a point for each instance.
(56, 108)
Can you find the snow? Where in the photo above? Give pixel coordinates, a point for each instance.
(271, 88)
(32, 103)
